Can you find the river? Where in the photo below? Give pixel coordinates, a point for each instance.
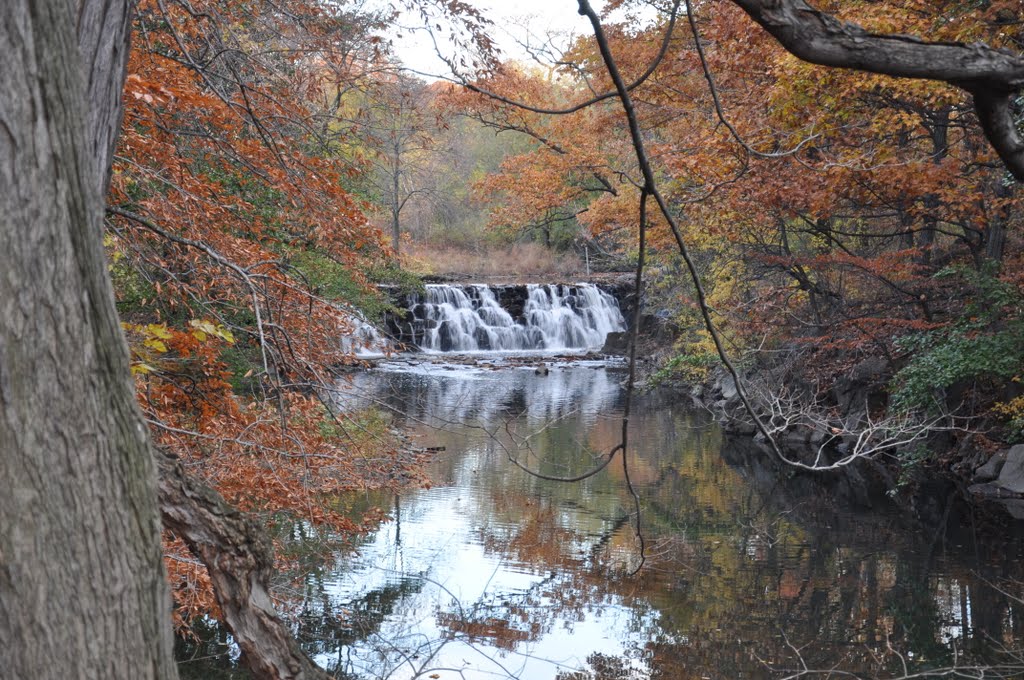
(748, 571)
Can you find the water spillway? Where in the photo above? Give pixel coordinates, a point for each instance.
(477, 317)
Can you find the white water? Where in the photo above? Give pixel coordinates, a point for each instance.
(362, 338)
(470, 319)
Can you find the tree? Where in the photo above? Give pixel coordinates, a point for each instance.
(82, 586)
(993, 77)
(396, 123)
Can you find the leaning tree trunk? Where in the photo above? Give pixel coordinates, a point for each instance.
(82, 588)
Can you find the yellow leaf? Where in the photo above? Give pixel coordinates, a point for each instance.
(158, 345)
(159, 330)
(203, 328)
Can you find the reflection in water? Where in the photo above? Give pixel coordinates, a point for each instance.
(493, 573)
(488, 396)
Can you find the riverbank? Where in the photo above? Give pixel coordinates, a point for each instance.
(849, 426)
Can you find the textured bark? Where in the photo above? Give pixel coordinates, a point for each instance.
(82, 589)
(240, 561)
(993, 77)
(103, 27)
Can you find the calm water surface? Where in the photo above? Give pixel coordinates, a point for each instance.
(749, 571)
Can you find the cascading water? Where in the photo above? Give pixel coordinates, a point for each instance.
(363, 338)
(552, 317)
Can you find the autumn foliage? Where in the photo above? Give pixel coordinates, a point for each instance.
(829, 210)
(843, 214)
(229, 224)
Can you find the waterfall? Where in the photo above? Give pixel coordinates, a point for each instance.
(362, 338)
(548, 317)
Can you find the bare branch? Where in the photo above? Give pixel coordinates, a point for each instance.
(659, 57)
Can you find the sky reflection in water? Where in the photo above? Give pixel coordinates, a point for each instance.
(493, 573)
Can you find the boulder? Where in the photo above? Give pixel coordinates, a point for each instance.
(616, 343)
(990, 490)
(991, 469)
(1015, 508)
(863, 388)
(1011, 476)
(741, 427)
(728, 387)
(870, 371)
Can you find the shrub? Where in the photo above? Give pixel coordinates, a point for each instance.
(982, 343)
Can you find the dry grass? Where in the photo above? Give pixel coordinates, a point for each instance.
(517, 260)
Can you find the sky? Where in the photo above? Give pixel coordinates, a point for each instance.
(528, 21)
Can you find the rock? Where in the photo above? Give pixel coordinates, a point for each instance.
(1011, 476)
(990, 490)
(991, 469)
(970, 458)
(1015, 508)
(862, 389)
(871, 370)
(817, 436)
(616, 342)
(738, 426)
(728, 386)
(797, 435)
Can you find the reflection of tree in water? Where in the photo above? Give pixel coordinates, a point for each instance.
(806, 566)
(486, 397)
(603, 667)
(749, 563)
(205, 655)
(499, 631)
(326, 629)
(330, 628)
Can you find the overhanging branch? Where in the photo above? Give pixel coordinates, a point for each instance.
(993, 77)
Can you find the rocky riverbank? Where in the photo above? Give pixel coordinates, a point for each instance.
(844, 429)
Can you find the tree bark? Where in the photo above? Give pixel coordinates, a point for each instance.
(82, 587)
(103, 30)
(240, 561)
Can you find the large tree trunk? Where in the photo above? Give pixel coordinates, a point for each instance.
(240, 561)
(82, 588)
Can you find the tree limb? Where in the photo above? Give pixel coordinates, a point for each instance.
(239, 559)
(993, 77)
